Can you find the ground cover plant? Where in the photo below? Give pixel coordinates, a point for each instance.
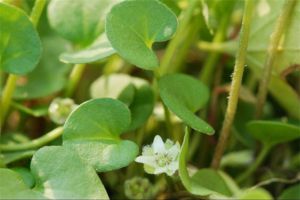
(149, 99)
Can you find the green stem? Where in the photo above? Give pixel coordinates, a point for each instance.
(210, 63)
(37, 11)
(169, 123)
(217, 47)
(33, 144)
(280, 27)
(7, 96)
(74, 78)
(235, 84)
(260, 158)
(175, 43)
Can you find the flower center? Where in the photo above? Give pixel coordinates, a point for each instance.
(163, 159)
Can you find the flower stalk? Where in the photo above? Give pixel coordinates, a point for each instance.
(235, 84)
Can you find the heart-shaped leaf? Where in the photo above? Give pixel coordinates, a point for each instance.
(53, 169)
(135, 92)
(20, 45)
(272, 133)
(99, 49)
(205, 182)
(94, 130)
(50, 72)
(132, 37)
(184, 95)
(80, 21)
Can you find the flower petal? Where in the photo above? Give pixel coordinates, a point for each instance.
(174, 151)
(158, 145)
(149, 160)
(160, 170)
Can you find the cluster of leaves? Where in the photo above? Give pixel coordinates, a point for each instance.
(122, 48)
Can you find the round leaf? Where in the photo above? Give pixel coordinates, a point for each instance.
(135, 92)
(50, 72)
(99, 49)
(184, 95)
(20, 45)
(53, 169)
(93, 130)
(80, 21)
(272, 133)
(132, 37)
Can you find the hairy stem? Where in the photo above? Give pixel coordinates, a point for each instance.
(74, 78)
(280, 27)
(235, 84)
(33, 144)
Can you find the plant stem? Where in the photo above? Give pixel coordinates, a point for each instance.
(37, 11)
(7, 95)
(235, 84)
(260, 158)
(75, 76)
(12, 79)
(177, 41)
(280, 27)
(210, 63)
(217, 47)
(33, 144)
(169, 123)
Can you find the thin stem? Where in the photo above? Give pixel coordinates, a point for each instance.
(75, 76)
(169, 123)
(210, 63)
(175, 44)
(280, 27)
(260, 158)
(235, 84)
(216, 47)
(7, 95)
(33, 144)
(37, 11)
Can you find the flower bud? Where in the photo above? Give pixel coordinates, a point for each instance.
(60, 109)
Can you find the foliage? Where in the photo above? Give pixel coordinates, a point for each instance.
(87, 85)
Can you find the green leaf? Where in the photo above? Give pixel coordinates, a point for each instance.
(27, 177)
(53, 169)
(132, 37)
(80, 21)
(292, 192)
(94, 130)
(184, 95)
(20, 45)
(205, 182)
(99, 49)
(135, 92)
(50, 72)
(257, 193)
(272, 133)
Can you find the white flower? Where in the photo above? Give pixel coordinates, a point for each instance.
(160, 157)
